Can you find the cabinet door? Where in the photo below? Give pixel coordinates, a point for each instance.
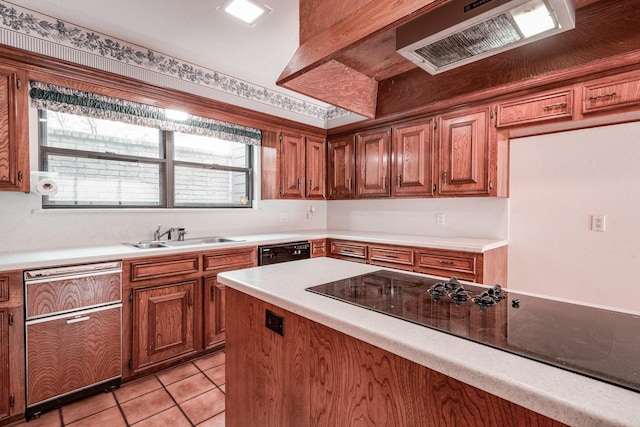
(4, 364)
(464, 153)
(315, 168)
(14, 141)
(413, 160)
(163, 323)
(372, 163)
(318, 248)
(342, 162)
(214, 324)
(12, 360)
(292, 153)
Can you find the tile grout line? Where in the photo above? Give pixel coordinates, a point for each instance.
(164, 387)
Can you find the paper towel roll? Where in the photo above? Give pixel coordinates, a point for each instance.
(46, 187)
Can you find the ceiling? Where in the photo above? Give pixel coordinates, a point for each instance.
(194, 31)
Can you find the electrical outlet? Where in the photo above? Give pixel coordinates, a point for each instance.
(284, 216)
(440, 218)
(598, 222)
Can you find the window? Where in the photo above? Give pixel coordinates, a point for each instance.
(106, 163)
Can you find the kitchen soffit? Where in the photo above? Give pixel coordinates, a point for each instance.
(370, 54)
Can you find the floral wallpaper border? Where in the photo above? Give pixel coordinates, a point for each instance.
(46, 28)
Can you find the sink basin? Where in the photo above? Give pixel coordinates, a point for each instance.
(151, 244)
(200, 241)
(147, 245)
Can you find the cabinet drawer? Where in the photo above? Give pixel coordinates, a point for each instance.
(452, 264)
(383, 255)
(608, 94)
(50, 296)
(539, 108)
(349, 249)
(163, 267)
(228, 260)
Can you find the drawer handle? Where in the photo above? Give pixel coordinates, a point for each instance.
(606, 95)
(390, 255)
(445, 262)
(349, 251)
(78, 319)
(552, 106)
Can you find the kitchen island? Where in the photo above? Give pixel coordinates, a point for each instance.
(336, 361)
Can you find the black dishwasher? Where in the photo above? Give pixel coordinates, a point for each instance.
(283, 252)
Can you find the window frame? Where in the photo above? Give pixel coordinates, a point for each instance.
(166, 164)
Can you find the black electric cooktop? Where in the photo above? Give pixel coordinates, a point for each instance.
(598, 343)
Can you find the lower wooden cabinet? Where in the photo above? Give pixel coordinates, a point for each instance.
(312, 375)
(174, 306)
(163, 322)
(215, 262)
(318, 248)
(12, 372)
(489, 267)
(214, 312)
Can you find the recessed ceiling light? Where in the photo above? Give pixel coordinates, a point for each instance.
(247, 10)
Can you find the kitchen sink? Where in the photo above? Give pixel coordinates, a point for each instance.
(198, 241)
(146, 245)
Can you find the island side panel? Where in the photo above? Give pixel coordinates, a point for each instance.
(267, 374)
(355, 383)
(319, 377)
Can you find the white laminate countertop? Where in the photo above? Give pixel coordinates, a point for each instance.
(573, 399)
(98, 253)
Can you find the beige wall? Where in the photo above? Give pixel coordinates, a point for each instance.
(557, 182)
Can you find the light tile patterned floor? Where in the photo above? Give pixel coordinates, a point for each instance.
(191, 394)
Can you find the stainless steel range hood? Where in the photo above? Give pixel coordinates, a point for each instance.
(464, 31)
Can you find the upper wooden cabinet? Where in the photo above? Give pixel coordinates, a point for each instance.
(412, 159)
(556, 105)
(292, 165)
(467, 153)
(611, 93)
(14, 129)
(316, 166)
(342, 160)
(302, 166)
(372, 163)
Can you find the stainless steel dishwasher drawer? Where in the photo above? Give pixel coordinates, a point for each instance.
(70, 352)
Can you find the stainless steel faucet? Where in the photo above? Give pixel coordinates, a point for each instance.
(180, 230)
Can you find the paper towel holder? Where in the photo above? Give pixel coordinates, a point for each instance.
(38, 177)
